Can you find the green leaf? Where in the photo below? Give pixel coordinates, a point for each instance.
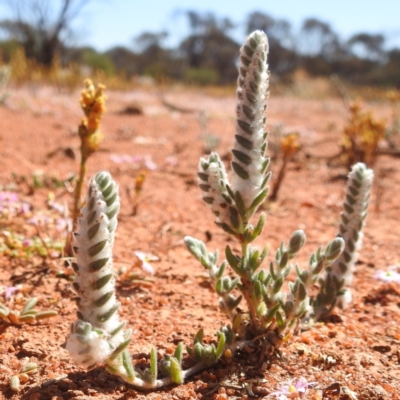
(118, 329)
(198, 351)
(240, 171)
(253, 259)
(334, 249)
(279, 319)
(257, 288)
(232, 260)
(203, 176)
(127, 364)
(264, 167)
(244, 142)
(226, 228)
(264, 253)
(208, 200)
(271, 313)
(199, 336)
(283, 260)
(190, 352)
(153, 364)
(301, 292)
(318, 267)
(97, 248)
(29, 368)
(175, 371)
(234, 217)
(245, 127)
(119, 349)
(221, 346)
(272, 272)
(259, 200)
(236, 302)
(195, 247)
(102, 300)
(178, 354)
(230, 192)
(221, 270)
(240, 205)
(266, 180)
(46, 314)
(82, 328)
(112, 213)
(296, 242)
(93, 230)
(277, 285)
(29, 305)
(219, 287)
(242, 157)
(108, 314)
(97, 265)
(101, 282)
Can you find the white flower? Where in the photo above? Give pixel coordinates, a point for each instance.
(388, 276)
(145, 258)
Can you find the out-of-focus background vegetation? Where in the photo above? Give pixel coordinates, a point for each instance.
(35, 43)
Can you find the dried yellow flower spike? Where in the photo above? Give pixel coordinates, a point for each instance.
(93, 105)
(362, 135)
(92, 102)
(289, 144)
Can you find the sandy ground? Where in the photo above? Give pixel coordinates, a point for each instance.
(358, 348)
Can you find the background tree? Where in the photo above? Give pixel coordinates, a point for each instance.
(366, 45)
(43, 27)
(210, 48)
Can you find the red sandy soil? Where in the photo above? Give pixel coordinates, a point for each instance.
(358, 348)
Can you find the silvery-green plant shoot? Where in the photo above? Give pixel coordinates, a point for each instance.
(98, 336)
(335, 282)
(271, 309)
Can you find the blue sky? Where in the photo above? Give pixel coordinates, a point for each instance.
(105, 23)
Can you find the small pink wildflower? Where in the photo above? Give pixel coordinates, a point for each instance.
(125, 158)
(25, 207)
(145, 258)
(11, 205)
(8, 197)
(146, 160)
(27, 243)
(288, 391)
(57, 207)
(40, 220)
(9, 290)
(64, 224)
(171, 160)
(391, 275)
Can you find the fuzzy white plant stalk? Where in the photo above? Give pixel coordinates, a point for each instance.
(270, 309)
(214, 184)
(97, 336)
(235, 204)
(249, 163)
(339, 275)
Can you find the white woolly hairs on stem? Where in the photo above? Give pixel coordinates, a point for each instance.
(353, 220)
(213, 181)
(249, 163)
(98, 331)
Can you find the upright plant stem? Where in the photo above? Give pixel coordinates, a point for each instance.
(76, 205)
(247, 285)
(78, 190)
